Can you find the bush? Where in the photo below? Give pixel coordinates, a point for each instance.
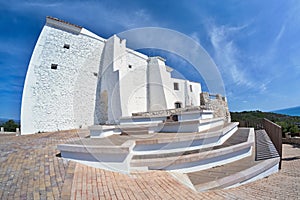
(10, 126)
(255, 118)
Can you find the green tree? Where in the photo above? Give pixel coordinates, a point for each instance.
(294, 129)
(10, 126)
(284, 126)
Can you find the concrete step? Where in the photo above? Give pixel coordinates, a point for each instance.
(238, 146)
(236, 138)
(102, 131)
(233, 174)
(134, 130)
(192, 125)
(137, 126)
(163, 143)
(239, 172)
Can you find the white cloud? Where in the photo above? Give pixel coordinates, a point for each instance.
(230, 58)
(279, 35)
(43, 4)
(138, 18)
(227, 54)
(93, 12)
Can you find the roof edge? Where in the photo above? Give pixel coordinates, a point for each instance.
(61, 24)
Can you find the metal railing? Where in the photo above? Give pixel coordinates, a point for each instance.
(274, 132)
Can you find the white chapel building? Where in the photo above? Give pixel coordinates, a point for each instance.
(76, 79)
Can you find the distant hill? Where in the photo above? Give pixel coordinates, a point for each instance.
(254, 119)
(294, 111)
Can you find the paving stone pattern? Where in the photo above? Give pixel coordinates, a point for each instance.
(30, 169)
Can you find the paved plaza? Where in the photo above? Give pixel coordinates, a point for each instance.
(30, 168)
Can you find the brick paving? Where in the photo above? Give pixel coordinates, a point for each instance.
(30, 169)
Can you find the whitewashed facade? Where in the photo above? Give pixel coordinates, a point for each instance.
(76, 79)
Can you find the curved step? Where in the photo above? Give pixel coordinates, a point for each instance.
(192, 125)
(164, 143)
(148, 125)
(236, 173)
(251, 172)
(237, 147)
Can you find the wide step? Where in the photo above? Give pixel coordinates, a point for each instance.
(240, 136)
(238, 146)
(263, 162)
(233, 174)
(212, 178)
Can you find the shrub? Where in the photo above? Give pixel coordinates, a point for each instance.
(10, 126)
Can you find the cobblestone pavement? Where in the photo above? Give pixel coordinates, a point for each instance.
(30, 169)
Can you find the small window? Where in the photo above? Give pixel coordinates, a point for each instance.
(129, 66)
(191, 88)
(54, 66)
(176, 86)
(177, 105)
(67, 46)
(95, 74)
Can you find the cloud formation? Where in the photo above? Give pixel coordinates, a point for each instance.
(254, 44)
(227, 54)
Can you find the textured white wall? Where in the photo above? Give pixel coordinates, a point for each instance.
(179, 95)
(63, 98)
(134, 84)
(184, 95)
(167, 83)
(109, 83)
(194, 96)
(156, 93)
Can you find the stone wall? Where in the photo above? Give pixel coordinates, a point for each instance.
(168, 112)
(217, 103)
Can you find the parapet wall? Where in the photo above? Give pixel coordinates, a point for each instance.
(217, 103)
(168, 112)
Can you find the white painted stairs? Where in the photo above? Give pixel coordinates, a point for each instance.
(220, 157)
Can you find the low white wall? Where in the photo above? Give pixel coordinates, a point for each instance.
(192, 126)
(194, 115)
(100, 133)
(142, 120)
(111, 162)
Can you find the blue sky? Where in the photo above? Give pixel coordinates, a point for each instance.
(255, 44)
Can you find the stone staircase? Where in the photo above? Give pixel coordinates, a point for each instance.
(263, 161)
(221, 156)
(194, 156)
